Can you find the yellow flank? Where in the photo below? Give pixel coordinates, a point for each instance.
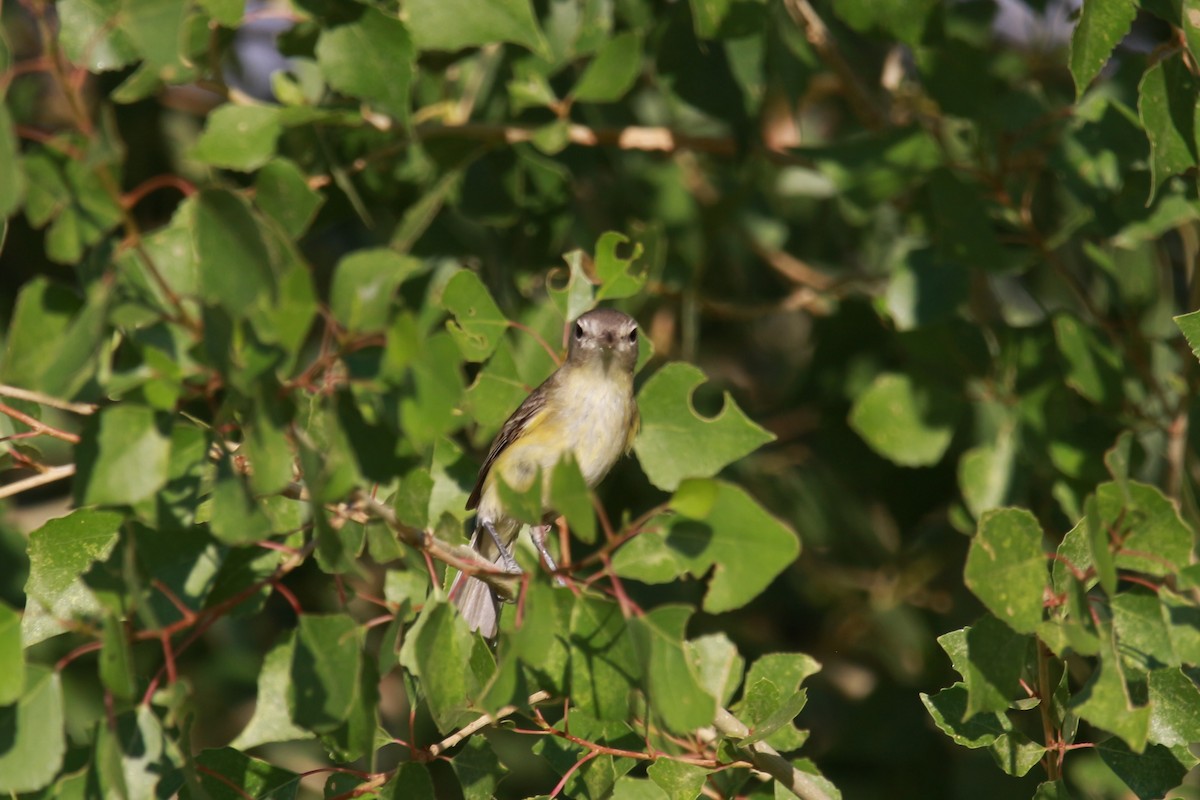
(589, 412)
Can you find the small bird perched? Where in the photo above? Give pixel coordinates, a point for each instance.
(585, 408)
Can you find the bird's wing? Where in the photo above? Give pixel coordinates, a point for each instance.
(516, 424)
(635, 425)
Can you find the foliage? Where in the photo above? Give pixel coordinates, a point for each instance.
(267, 319)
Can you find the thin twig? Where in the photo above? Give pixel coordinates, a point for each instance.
(38, 425)
(1050, 734)
(817, 33)
(792, 268)
(18, 393)
(768, 759)
(32, 482)
(482, 722)
(630, 137)
(459, 556)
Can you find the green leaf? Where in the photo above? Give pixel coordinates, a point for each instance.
(171, 251)
(1101, 27)
(627, 788)
(612, 72)
(233, 260)
(870, 169)
(156, 28)
(718, 665)
(283, 194)
(578, 295)
(497, 391)
(12, 180)
(1174, 708)
(372, 59)
(708, 15)
(1006, 567)
(985, 473)
(774, 706)
(1016, 753)
(364, 287)
(326, 459)
(613, 271)
(1189, 324)
(1099, 546)
(1145, 522)
(900, 18)
(1151, 774)
(963, 232)
(1182, 618)
(237, 517)
(272, 721)
(478, 769)
(72, 193)
(239, 137)
(478, 324)
(907, 423)
(35, 333)
(1168, 113)
(12, 658)
(773, 697)
(671, 682)
(455, 24)
(948, 709)
(743, 545)
(438, 638)
(123, 456)
(1093, 368)
(676, 443)
(604, 662)
(431, 410)
(570, 497)
(268, 450)
(1012, 751)
(136, 758)
(1141, 629)
(1052, 791)
(325, 669)
(925, 289)
(60, 552)
(34, 742)
(356, 738)
(226, 12)
(530, 86)
(412, 780)
(227, 774)
(89, 37)
(1105, 702)
(996, 656)
(116, 661)
(680, 781)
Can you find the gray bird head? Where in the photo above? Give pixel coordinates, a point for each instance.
(605, 334)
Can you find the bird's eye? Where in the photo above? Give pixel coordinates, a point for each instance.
(633, 336)
(578, 332)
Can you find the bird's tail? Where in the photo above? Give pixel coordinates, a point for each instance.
(477, 603)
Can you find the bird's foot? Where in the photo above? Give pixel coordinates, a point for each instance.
(538, 533)
(506, 557)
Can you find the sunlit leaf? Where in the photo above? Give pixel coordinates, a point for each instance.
(1006, 567)
(35, 740)
(677, 443)
(904, 421)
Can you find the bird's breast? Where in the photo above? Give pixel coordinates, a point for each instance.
(598, 412)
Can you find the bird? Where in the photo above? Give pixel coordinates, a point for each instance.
(587, 409)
